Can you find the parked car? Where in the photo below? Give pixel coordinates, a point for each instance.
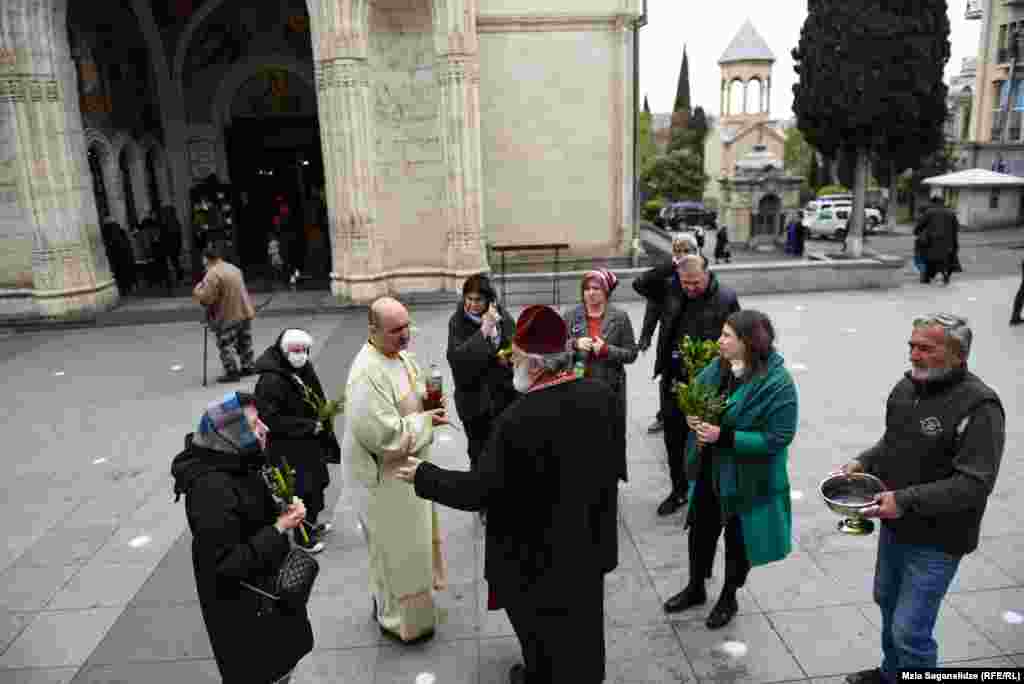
(829, 220)
(683, 215)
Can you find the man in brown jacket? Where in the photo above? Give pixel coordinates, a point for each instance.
(229, 311)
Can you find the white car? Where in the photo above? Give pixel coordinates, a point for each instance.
(829, 221)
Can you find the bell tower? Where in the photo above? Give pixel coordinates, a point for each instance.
(746, 79)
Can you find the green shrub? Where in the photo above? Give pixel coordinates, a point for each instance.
(651, 209)
(833, 190)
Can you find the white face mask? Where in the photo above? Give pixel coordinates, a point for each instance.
(737, 368)
(521, 377)
(298, 359)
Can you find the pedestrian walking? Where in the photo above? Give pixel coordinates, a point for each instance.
(386, 424)
(275, 257)
(1018, 300)
(936, 236)
(691, 302)
(939, 456)
(548, 480)
(601, 338)
(722, 252)
(239, 536)
(288, 394)
(738, 468)
(229, 314)
(478, 329)
(682, 244)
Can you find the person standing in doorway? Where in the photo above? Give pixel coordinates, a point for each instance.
(171, 240)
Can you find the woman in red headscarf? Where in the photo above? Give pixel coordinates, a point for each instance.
(601, 336)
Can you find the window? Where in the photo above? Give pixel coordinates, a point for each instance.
(993, 199)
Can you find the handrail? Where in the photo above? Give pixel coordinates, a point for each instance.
(534, 247)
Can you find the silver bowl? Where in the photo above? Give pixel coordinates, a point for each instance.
(849, 496)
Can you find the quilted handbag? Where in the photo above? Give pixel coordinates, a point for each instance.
(292, 585)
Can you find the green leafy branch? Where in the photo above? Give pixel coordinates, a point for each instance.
(280, 480)
(325, 409)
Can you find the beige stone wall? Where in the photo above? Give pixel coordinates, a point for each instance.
(555, 135)
(762, 135)
(562, 7)
(713, 163)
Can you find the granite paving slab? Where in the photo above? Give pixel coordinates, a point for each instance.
(958, 639)
(748, 649)
(456, 662)
(351, 666)
(829, 640)
(55, 675)
(59, 639)
(998, 614)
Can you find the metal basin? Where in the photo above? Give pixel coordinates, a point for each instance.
(848, 496)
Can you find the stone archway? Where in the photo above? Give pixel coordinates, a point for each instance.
(98, 144)
(130, 162)
(361, 104)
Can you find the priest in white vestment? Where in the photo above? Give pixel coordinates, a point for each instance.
(385, 424)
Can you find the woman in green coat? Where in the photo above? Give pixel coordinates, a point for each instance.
(737, 470)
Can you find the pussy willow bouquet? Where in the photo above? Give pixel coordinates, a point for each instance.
(280, 480)
(694, 398)
(326, 409)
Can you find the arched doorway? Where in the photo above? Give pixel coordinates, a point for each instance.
(768, 219)
(99, 187)
(272, 140)
(152, 188)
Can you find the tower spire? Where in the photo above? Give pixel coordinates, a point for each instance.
(682, 104)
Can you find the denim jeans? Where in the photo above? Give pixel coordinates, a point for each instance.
(910, 582)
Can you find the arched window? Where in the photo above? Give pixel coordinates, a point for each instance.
(755, 97)
(736, 97)
(99, 188)
(131, 216)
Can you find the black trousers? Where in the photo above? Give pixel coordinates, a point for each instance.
(933, 268)
(675, 434)
(311, 479)
(1018, 301)
(562, 644)
(478, 431)
(706, 524)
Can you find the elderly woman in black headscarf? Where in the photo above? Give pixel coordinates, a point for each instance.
(287, 395)
(239, 536)
(478, 329)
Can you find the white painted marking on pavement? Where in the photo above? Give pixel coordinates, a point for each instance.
(58, 373)
(796, 495)
(140, 541)
(425, 678)
(800, 307)
(736, 649)
(1013, 617)
(849, 330)
(101, 459)
(177, 367)
(444, 438)
(972, 299)
(798, 366)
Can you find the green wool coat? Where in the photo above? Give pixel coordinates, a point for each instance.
(751, 476)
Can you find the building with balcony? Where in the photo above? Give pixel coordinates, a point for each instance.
(988, 131)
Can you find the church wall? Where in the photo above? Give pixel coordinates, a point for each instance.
(713, 163)
(565, 7)
(554, 137)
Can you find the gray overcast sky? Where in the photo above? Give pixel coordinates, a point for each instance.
(707, 30)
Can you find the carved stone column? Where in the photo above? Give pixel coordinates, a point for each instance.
(458, 70)
(340, 33)
(52, 260)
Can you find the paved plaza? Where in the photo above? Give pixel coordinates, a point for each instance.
(96, 581)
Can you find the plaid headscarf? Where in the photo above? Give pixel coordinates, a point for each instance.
(604, 278)
(223, 426)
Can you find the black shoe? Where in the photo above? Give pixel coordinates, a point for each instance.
(672, 504)
(1016, 321)
(873, 676)
(517, 675)
(656, 426)
(247, 371)
(688, 598)
(229, 377)
(723, 612)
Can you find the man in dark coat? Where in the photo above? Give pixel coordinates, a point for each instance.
(477, 331)
(286, 393)
(937, 238)
(238, 535)
(945, 431)
(548, 480)
(690, 301)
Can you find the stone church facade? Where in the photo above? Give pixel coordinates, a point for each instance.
(444, 126)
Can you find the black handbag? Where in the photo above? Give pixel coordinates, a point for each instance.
(291, 586)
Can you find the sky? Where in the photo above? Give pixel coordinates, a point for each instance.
(708, 31)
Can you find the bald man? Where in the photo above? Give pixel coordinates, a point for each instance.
(386, 424)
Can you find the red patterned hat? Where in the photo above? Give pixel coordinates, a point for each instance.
(540, 330)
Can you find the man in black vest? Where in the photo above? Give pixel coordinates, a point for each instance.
(688, 300)
(939, 456)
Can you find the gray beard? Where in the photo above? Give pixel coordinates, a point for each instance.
(521, 378)
(931, 374)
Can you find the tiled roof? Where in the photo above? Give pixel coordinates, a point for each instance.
(746, 46)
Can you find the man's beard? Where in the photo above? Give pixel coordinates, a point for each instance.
(521, 378)
(930, 374)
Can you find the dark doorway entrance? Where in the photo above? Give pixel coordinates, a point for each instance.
(277, 161)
